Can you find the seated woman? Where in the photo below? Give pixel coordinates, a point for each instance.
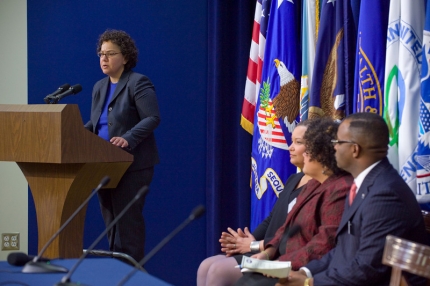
(318, 209)
(220, 269)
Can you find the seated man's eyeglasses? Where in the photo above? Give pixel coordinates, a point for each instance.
(335, 141)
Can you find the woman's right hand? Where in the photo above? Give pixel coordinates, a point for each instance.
(236, 242)
(260, 255)
(266, 254)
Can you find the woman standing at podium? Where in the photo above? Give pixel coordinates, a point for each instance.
(125, 112)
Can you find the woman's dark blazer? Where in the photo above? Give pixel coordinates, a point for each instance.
(267, 229)
(132, 114)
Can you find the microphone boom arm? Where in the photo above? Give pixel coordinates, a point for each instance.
(66, 279)
(36, 266)
(196, 213)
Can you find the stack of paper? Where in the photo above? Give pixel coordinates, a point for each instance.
(279, 269)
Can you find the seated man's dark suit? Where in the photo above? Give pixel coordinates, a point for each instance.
(384, 205)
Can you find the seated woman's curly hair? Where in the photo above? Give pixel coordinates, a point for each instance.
(125, 43)
(318, 136)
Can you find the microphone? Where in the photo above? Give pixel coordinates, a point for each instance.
(77, 88)
(61, 89)
(196, 213)
(37, 266)
(66, 278)
(21, 258)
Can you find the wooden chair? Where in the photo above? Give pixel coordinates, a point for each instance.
(405, 255)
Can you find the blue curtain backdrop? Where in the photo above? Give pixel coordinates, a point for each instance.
(196, 54)
(228, 145)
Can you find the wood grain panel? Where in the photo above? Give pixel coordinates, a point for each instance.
(58, 190)
(62, 163)
(52, 133)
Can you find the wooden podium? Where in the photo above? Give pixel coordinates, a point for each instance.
(62, 162)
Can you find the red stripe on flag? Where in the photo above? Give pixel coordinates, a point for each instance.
(263, 115)
(274, 133)
(278, 140)
(252, 71)
(259, 70)
(248, 110)
(423, 176)
(262, 109)
(256, 32)
(260, 123)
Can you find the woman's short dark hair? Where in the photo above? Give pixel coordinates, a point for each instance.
(124, 42)
(318, 136)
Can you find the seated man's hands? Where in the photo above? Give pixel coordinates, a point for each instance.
(296, 278)
(233, 242)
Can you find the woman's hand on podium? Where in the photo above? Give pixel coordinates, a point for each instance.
(119, 141)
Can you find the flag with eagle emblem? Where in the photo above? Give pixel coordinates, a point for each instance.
(327, 94)
(277, 109)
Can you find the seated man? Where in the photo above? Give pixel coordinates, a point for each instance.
(318, 211)
(381, 204)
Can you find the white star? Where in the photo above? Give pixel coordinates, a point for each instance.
(331, 1)
(281, 1)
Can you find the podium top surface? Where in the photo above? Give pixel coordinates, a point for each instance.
(52, 133)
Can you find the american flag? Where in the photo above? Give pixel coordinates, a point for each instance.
(255, 64)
